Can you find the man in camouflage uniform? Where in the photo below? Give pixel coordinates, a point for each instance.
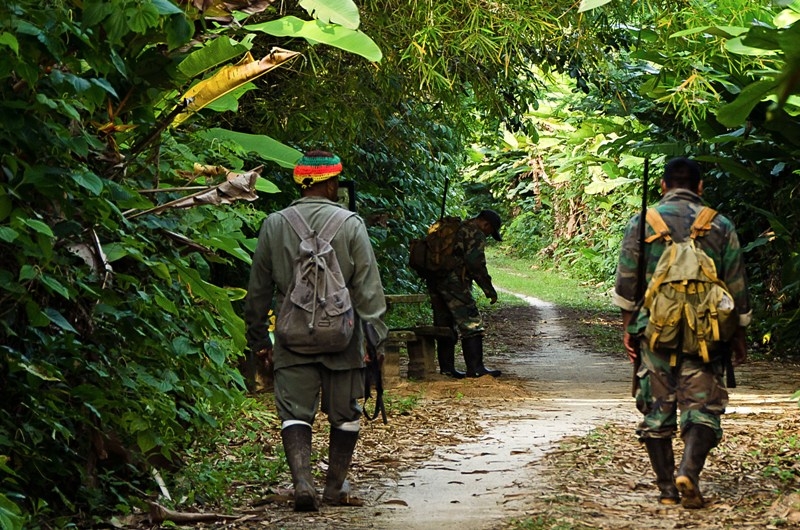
(695, 388)
(451, 296)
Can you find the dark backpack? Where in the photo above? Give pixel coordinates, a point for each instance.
(316, 315)
(690, 309)
(434, 252)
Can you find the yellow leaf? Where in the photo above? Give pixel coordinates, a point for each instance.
(229, 78)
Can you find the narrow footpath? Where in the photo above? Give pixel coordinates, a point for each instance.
(484, 482)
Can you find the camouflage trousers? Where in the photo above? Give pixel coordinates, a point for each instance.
(454, 307)
(692, 387)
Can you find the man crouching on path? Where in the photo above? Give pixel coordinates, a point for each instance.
(672, 379)
(299, 378)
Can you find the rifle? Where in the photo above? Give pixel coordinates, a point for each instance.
(641, 274)
(373, 375)
(444, 197)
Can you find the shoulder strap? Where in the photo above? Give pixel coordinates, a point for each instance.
(334, 223)
(297, 222)
(702, 223)
(658, 225)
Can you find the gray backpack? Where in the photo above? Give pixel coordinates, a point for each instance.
(316, 315)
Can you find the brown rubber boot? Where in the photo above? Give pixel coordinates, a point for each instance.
(662, 458)
(473, 356)
(297, 446)
(698, 441)
(446, 352)
(340, 454)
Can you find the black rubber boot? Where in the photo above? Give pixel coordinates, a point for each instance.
(698, 441)
(662, 458)
(340, 454)
(446, 352)
(473, 356)
(297, 445)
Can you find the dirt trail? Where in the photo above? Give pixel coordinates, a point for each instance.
(483, 482)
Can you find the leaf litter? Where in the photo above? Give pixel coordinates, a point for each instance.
(601, 480)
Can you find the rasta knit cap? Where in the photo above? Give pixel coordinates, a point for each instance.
(316, 166)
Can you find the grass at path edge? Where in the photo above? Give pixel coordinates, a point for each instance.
(523, 277)
(587, 306)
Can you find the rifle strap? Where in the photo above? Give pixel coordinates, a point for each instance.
(380, 408)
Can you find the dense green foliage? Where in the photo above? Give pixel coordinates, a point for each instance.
(688, 83)
(120, 337)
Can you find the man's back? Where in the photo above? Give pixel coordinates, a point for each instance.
(273, 269)
(679, 209)
(283, 241)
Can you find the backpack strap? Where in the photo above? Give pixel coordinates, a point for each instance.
(702, 223)
(329, 229)
(700, 227)
(334, 223)
(296, 221)
(658, 225)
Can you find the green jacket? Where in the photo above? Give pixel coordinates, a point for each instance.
(272, 271)
(678, 208)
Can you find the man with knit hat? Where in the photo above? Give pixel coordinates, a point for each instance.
(451, 295)
(337, 377)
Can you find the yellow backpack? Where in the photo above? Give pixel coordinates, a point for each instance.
(691, 310)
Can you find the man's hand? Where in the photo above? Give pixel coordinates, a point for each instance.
(265, 357)
(630, 342)
(631, 346)
(739, 347)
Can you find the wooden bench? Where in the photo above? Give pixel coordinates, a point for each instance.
(419, 342)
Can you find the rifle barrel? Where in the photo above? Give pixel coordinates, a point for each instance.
(444, 197)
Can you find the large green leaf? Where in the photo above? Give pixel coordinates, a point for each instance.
(317, 32)
(265, 146)
(58, 319)
(165, 7)
(10, 517)
(342, 12)
(789, 41)
(762, 37)
(230, 101)
(265, 186)
(732, 167)
(738, 47)
(9, 40)
(588, 5)
(736, 112)
(39, 226)
(214, 53)
(787, 17)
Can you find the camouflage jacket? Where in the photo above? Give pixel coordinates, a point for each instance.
(679, 208)
(469, 250)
